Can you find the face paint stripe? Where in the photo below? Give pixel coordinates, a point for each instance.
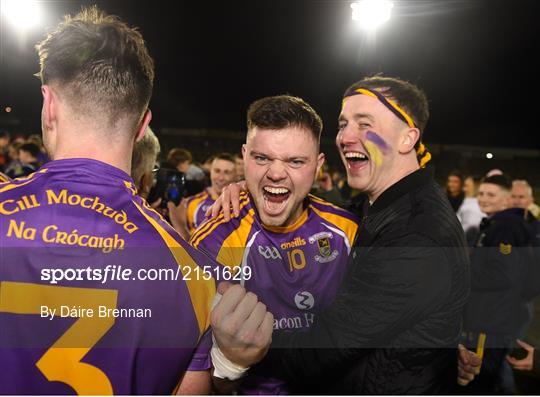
(377, 140)
(374, 153)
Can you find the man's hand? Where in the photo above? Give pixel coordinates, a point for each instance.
(468, 365)
(525, 364)
(241, 325)
(230, 197)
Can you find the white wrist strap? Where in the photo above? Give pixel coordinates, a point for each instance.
(223, 367)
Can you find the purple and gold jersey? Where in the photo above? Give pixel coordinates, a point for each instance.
(295, 270)
(98, 294)
(196, 207)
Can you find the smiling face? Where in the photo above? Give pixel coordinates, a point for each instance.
(222, 173)
(492, 198)
(374, 144)
(280, 167)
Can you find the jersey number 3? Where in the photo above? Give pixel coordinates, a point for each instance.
(62, 361)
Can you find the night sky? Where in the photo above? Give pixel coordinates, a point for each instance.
(475, 60)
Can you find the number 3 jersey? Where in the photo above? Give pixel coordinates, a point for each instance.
(295, 270)
(98, 295)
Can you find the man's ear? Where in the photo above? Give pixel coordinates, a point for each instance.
(320, 161)
(49, 109)
(408, 140)
(144, 124)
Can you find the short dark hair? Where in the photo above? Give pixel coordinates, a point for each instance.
(31, 148)
(178, 155)
(102, 65)
(283, 111)
(407, 95)
(457, 174)
(4, 134)
(224, 156)
(501, 180)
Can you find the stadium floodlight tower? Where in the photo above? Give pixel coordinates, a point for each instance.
(22, 14)
(370, 14)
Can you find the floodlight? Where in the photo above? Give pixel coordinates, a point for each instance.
(489, 155)
(23, 14)
(370, 14)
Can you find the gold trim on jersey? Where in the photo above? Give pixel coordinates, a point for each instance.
(291, 228)
(348, 226)
(200, 291)
(30, 178)
(208, 227)
(232, 249)
(192, 207)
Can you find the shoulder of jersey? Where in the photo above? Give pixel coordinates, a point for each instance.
(323, 206)
(202, 195)
(152, 218)
(217, 229)
(8, 185)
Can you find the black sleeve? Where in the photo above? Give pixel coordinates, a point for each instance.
(389, 290)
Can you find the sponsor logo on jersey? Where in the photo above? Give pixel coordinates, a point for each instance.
(297, 242)
(269, 252)
(304, 300)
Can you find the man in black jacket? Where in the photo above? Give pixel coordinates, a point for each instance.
(395, 324)
(500, 278)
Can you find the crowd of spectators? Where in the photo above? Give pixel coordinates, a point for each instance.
(21, 156)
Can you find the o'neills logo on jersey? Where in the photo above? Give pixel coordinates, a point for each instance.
(297, 242)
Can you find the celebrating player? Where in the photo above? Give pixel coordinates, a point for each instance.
(95, 292)
(295, 245)
(192, 212)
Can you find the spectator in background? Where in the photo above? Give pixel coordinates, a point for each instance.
(469, 213)
(4, 144)
(182, 160)
(192, 211)
(469, 186)
(494, 171)
(145, 153)
(14, 166)
(466, 208)
(36, 140)
(522, 197)
(454, 189)
(324, 188)
(239, 162)
(498, 305)
(28, 154)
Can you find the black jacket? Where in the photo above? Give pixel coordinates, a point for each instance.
(395, 324)
(501, 275)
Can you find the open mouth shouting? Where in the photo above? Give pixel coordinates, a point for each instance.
(275, 199)
(356, 160)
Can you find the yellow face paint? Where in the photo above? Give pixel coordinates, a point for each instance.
(374, 153)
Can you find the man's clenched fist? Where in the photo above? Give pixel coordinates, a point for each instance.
(241, 325)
